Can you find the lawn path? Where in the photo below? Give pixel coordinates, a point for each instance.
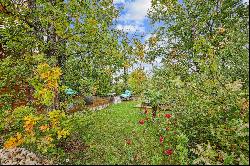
(106, 133)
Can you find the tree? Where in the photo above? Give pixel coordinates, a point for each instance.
(197, 30)
(136, 80)
(205, 78)
(78, 33)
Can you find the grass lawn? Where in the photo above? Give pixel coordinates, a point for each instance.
(114, 136)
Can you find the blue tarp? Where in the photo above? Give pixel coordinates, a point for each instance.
(70, 91)
(126, 94)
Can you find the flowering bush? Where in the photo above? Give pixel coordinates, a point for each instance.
(171, 140)
(220, 118)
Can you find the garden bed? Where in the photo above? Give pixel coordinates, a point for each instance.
(99, 103)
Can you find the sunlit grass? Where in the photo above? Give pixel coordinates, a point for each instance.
(106, 132)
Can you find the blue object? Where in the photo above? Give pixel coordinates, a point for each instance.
(126, 95)
(70, 91)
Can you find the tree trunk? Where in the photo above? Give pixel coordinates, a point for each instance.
(154, 110)
(125, 72)
(56, 100)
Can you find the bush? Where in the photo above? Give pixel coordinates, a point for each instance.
(42, 132)
(207, 112)
(204, 78)
(24, 126)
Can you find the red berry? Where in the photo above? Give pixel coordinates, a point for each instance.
(141, 122)
(168, 116)
(168, 152)
(161, 139)
(129, 142)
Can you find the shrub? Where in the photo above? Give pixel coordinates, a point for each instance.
(24, 126)
(43, 132)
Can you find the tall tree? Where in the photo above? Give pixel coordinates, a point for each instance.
(76, 31)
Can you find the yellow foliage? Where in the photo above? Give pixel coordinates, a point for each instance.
(43, 91)
(45, 75)
(136, 80)
(13, 142)
(46, 83)
(48, 139)
(52, 83)
(54, 117)
(153, 41)
(39, 134)
(139, 50)
(56, 72)
(42, 68)
(62, 134)
(29, 124)
(126, 64)
(221, 30)
(10, 143)
(44, 128)
(48, 73)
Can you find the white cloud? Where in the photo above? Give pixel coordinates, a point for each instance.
(118, 1)
(135, 13)
(246, 1)
(130, 28)
(137, 10)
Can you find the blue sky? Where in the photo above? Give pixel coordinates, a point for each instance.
(133, 17)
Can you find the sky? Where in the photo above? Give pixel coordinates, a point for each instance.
(133, 17)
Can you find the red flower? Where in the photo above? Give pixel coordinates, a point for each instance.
(161, 139)
(141, 122)
(168, 152)
(145, 111)
(167, 128)
(168, 116)
(129, 142)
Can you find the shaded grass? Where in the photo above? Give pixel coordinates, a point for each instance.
(106, 133)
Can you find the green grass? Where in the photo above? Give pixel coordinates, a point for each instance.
(106, 132)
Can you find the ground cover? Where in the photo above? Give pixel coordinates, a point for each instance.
(115, 136)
